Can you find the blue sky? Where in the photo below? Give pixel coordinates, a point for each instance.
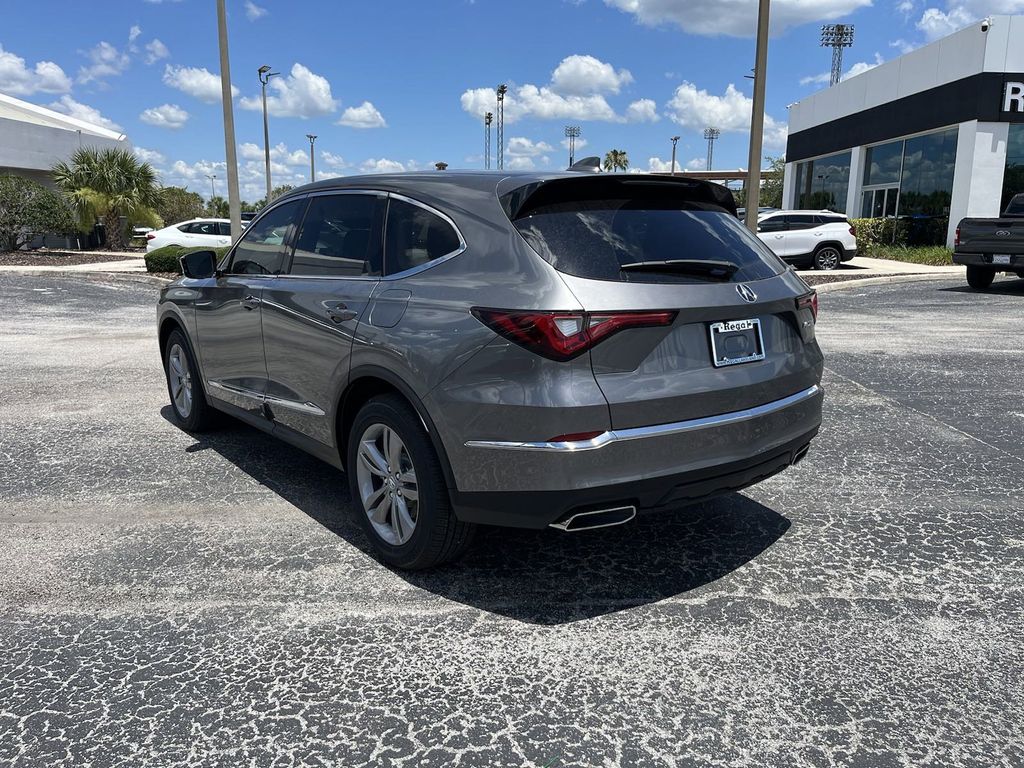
(398, 84)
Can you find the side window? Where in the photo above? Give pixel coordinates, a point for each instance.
(774, 224)
(801, 221)
(415, 236)
(223, 229)
(340, 236)
(186, 228)
(261, 250)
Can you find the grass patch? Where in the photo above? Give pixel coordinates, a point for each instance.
(166, 259)
(933, 255)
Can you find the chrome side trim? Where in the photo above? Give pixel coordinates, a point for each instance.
(294, 405)
(656, 430)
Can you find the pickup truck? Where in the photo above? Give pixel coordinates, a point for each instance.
(988, 246)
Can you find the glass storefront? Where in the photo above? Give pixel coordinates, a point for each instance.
(823, 183)
(882, 164)
(1013, 178)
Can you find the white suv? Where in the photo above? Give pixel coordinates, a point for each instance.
(821, 239)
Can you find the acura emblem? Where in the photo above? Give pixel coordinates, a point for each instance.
(1002, 233)
(746, 294)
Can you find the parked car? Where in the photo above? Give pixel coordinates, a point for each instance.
(741, 213)
(524, 349)
(819, 239)
(212, 233)
(988, 246)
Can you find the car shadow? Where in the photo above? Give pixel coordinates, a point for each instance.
(541, 577)
(1006, 287)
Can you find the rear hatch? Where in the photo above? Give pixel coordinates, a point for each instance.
(738, 326)
(1005, 235)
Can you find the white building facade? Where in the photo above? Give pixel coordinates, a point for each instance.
(930, 137)
(34, 138)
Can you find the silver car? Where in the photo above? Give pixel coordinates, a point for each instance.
(525, 349)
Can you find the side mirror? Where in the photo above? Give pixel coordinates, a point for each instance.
(199, 264)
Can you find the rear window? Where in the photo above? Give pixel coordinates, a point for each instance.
(1016, 206)
(595, 238)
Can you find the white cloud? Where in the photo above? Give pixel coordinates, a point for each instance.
(696, 164)
(198, 82)
(582, 75)
(642, 111)
(857, 69)
(936, 23)
(364, 116)
(253, 11)
(151, 156)
(72, 108)
(332, 160)
(134, 32)
(580, 143)
(165, 116)
(156, 50)
(520, 164)
(383, 165)
(278, 154)
(698, 109)
(736, 18)
(302, 93)
(519, 146)
(105, 61)
(17, 79)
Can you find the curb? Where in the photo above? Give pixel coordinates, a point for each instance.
(128, 277)
(884, 280)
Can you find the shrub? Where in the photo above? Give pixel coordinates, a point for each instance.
(936, 255)
(27, 209)
(880, 232)
(166, 259)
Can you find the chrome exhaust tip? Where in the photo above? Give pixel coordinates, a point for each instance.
(800, 453)
(597, 518)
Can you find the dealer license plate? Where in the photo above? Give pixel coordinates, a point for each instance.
(736, 341)
(1001, 258)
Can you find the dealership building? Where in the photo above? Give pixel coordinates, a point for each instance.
(934, 135)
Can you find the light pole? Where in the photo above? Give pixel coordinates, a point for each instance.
(757, 116)
(501, 91)
(312, 165)
(265, 74)
(823, 177)
(572, 132)
(674, 140)
(836, 37)
(213, 191)
(230, 150)
(711, 134)
(488, 118)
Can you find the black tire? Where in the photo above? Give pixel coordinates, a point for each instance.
(438, 535)
(827, 257)
(980, 278)
(199, 416)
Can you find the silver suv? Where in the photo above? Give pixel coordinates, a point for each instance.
(532, 350)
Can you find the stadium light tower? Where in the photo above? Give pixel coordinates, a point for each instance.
(501, 91)
(836, 37)
(711, 134)
(572, 132)
(488, 119)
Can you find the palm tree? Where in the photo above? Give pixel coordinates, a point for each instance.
(110, 184)
(218, 207)
(615, 160)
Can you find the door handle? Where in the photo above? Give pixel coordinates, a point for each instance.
(339, 313)
(250, 302)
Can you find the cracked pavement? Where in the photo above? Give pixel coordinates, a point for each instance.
(171, 600)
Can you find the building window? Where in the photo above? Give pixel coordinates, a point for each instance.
(1013, 178)
(823, 183)
(927, 184)
(882, 164)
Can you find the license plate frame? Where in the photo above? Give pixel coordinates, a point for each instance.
(717, 331)
(1002, 259)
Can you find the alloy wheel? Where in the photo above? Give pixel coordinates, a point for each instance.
(181, 380)
(387, 484)
(828, 258)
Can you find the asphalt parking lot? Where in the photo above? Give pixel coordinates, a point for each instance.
(173, 600)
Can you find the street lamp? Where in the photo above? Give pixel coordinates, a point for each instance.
(572, 132)
(213, 191)
(823, 177)
(312, 165)
(674, 140)
(265, 74)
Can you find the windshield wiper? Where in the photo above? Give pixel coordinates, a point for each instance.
(720, 270)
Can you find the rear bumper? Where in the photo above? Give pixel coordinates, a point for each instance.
(532, 484)
(985, 260)
(849, 253)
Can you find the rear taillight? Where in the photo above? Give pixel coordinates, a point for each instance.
(564, 335)
(956, 237)
(809, 301)
(150, 236)
(853, 230)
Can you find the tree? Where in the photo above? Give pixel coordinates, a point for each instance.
(109, 184)
(616, 160)
(218, 208)
(275, 193)
(27, 209)
(177, 204)
(771, 182)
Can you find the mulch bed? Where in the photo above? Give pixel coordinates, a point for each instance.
(56, 258)
(822, 279)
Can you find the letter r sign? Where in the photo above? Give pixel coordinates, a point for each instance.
(1013, 97)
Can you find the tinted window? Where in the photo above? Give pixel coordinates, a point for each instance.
(594, 238)
(339, 236)
(184, 227)
(203, 228)
(830, 219)
(224, 228)
(261, 249)
(801, 221)
(415, 236)
(774, 224)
